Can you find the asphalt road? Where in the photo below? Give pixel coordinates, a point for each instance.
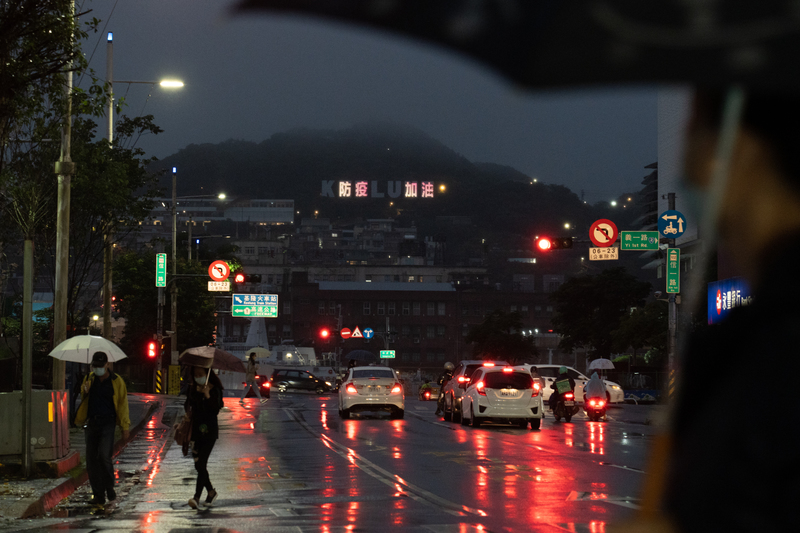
(294, 465)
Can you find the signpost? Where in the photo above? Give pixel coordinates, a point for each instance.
(161, 270)
(603, 233)
(639, 240)
(255, 305)
(604, 254)
(673, 270)
(387, 354)
(219, 286)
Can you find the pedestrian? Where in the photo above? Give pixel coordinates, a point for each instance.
(203, 402)
(444, 377)
(104, 406)
(250, 379)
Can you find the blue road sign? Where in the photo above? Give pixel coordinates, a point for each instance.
(368, 333)
(671, 224)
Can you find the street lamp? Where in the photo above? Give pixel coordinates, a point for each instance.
(94, 318)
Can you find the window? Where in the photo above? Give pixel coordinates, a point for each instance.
(417, 308)
(287, 330)
(397, 277)
(406, 308)
(249, 250)
(441, 309)
(431, 309)
(381, 308)
(476, 310)
(391, 308)
(331, 307)
(440, 331)
(270, 279)
(366, 309)
(513, 308)
(287, 308)
(524, 310)
(464, 330)
(271, 328)
(430, 332)
(368, 278)
(412, 279)
(406, 330)
(464, 310)
(262, 250)
(321, 307)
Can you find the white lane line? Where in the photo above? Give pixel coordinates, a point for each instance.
(622, 501)
(392, 480)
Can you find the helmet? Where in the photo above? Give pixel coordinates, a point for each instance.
(562, 370)
(449, 366)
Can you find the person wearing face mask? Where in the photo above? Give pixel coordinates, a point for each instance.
(203, 401)
(104, 405)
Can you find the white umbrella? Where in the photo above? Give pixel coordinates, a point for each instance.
(601, 364)
(81, 348)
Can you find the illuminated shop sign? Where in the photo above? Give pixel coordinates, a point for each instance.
(726, 295)
(377, 189)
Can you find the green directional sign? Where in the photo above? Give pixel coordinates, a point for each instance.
(639, 240)
(673, 270)
(255, 305)
(387, 354)
(161, 270)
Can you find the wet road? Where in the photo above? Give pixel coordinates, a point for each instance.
(294, 465)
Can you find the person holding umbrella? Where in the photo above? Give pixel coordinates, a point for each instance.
(203, 402)
(104, 405)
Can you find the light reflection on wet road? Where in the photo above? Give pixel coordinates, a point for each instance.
(295, 465)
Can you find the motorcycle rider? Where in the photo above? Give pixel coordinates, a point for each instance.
(425, 386)
(595, 389)
(444, 377)
(564, 380)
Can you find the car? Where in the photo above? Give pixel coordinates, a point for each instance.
(263, 384)
(284, 379)
(502, 394)
(371, 388)
(454, 389)
(549, 374)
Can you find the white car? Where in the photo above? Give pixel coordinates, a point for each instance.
(549, 374)
(502, 394)
(371, 388)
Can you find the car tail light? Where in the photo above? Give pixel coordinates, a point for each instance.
(266, 384)
(463, 379)
(396, 388)
(351, 388)
(536, 390)
(488, 364)
(508, 369)
(568, 395)
(479, 387)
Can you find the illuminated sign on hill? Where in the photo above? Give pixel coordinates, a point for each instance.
(375, 189)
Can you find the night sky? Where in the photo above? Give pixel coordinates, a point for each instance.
(250, 76)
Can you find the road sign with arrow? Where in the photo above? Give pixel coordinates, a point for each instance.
(603, 233)
(671, 224)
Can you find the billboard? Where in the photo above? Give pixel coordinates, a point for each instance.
(726, 295)
(376, 189)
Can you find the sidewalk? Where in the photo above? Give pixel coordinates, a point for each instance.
(21, 498)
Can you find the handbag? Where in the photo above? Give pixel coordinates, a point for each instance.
(183, 432)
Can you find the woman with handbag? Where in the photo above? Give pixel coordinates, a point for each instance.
(203, 402)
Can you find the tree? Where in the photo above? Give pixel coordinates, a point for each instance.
(589, 308)
(137, 299)
(499, 336)
(644, 327)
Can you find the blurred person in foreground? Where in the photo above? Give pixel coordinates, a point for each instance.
(204, 402)
(732, 450)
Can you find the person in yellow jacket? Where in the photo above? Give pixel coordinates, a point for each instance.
(104, 405)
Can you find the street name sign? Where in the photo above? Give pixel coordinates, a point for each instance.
(639, 240)
(673, 270)
(387, 354)
(604, 254)
(219, 271)
(603, 233)
(255, 305)
(161, 270)
(671, 224)
(219, 286)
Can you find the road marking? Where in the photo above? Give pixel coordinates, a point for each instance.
(622, 501)
(622, 467)
(401, 485)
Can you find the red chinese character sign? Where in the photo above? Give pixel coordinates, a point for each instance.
(377, 189)
(603, 233)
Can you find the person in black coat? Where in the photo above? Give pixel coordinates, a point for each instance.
(204, 400)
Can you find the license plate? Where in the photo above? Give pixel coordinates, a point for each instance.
(569, 404)
(504, 392)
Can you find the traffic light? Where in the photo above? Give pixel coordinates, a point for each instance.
(325, 334)
(240, 277)
(545, 244)
(152, 349)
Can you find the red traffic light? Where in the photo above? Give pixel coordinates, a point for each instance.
(324, 333)
(544, 244)
(151, 349)
(238, 277)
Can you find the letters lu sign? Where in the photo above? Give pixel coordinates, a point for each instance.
(671, 224)
(673, 270)
(161, 270)
(639, 240)
(603, 233)
(255, 305)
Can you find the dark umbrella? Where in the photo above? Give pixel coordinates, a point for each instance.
(361, 355)
(548, 43)
(212, 357)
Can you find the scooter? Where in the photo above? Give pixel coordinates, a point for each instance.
(565, 407)
(595, 409)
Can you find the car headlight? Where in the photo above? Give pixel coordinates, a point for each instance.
(615, 387)
(328, 383)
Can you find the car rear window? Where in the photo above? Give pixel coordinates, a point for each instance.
(548, 372)
(508, 380)
(470, 369)
(373, 373)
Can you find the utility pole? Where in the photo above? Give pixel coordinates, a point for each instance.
(108, 251)
(174, 289)
(673, 311)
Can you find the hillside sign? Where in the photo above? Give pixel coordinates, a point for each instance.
(377, 189)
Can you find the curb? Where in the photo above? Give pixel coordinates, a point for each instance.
(52, 497)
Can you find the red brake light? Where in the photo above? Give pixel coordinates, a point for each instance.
(351, 388)
(266, 384)
(396, 388)
(479, 387)
(536, 389)
(427, 394)
(592, 403)
(568, 395)
(600, 403)
(488, 364)
(463, 379)
(508, 369)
